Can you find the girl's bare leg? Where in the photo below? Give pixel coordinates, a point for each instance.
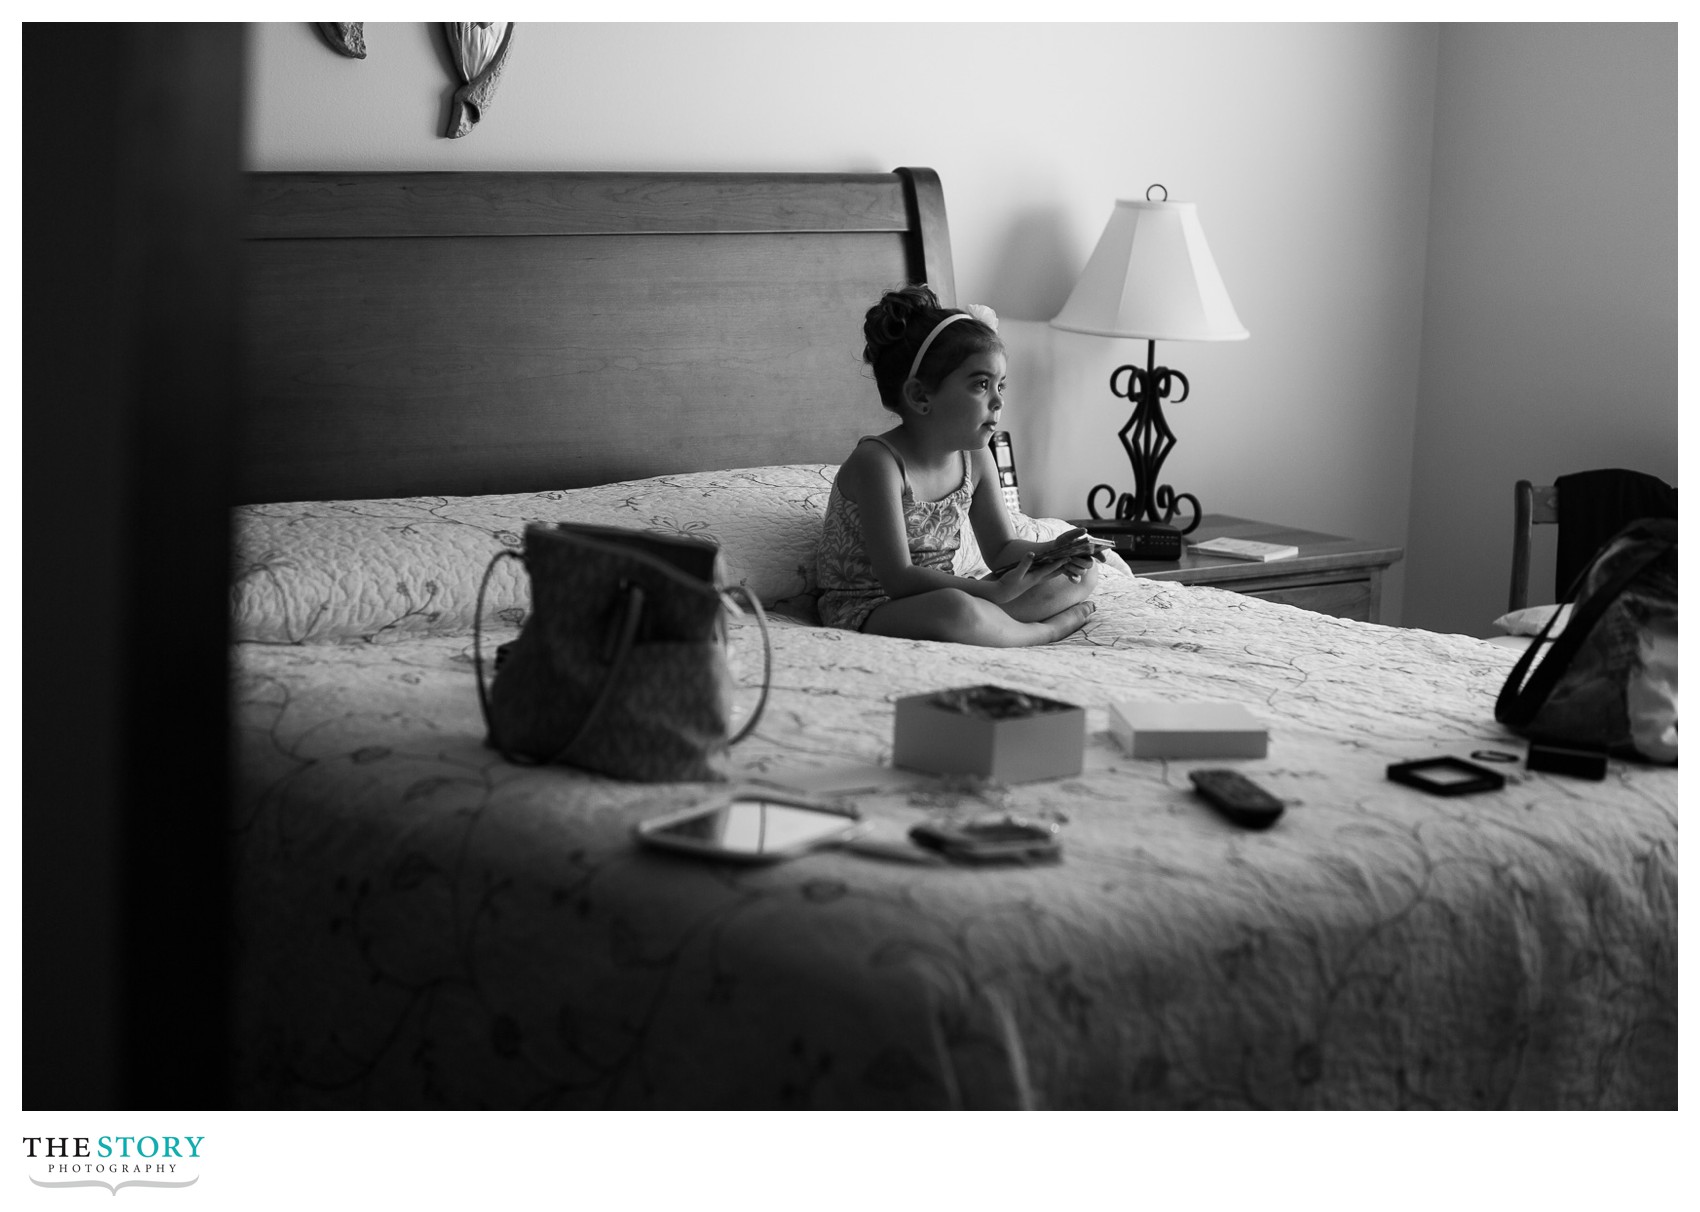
(957, 617)
(1053, 596)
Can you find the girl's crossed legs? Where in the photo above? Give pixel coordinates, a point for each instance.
(1045, 613)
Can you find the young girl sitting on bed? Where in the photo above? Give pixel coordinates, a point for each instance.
(895, 517)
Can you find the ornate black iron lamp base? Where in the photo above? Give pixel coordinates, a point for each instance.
(1147, 439)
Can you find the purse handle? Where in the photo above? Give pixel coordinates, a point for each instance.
(623, 644)
(766, 663)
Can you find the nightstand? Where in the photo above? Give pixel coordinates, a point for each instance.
(1331, 575)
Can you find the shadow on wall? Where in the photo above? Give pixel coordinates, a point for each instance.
(1031, 280)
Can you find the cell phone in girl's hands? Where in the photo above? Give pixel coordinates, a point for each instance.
(1070, 545)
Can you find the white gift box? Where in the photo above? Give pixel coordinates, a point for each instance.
(1188, 730)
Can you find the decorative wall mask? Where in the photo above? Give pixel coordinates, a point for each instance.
(479, 50)
(345, 37)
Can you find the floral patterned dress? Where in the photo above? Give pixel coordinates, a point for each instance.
(850, 591)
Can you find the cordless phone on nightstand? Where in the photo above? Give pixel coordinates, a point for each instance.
(1003, 454)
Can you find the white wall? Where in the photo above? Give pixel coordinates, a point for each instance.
(1306, 148)
(1549, 340)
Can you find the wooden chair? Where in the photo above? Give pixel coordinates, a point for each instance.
(1533, 504)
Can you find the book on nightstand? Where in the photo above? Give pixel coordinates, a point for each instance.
(1188, 730)
(1245, 549)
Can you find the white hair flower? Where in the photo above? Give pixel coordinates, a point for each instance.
(982, 313)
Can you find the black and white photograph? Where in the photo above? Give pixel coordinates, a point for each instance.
(634, 578)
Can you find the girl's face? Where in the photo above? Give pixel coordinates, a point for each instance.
(966, 404)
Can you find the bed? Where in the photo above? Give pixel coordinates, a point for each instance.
(437, 359)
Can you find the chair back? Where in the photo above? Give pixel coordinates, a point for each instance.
(1532, 505)
(1588, 507)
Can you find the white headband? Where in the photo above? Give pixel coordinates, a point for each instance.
(974, 311)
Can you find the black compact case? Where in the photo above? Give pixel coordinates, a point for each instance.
(1446, 776)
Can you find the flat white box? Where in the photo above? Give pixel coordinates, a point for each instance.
(1188, 730)
(1048, 743)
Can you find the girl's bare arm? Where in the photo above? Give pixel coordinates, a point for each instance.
(870, 478)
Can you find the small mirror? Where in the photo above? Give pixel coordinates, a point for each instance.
(753, 825)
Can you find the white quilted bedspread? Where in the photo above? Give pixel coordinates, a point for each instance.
(424, 925)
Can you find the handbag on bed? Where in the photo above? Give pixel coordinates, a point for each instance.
(1608, 681)
(620, 666)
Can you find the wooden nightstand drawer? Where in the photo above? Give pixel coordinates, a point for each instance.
(1343, 599)
(1331, 575)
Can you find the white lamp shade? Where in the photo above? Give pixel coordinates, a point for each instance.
(1152, 276)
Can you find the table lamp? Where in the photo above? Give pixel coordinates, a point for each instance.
(1151, 276)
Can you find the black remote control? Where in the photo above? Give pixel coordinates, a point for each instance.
(1238, 798)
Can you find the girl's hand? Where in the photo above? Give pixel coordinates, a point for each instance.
(1021, 578)
(1075, 566)
(1062, 540)
(1084, 552)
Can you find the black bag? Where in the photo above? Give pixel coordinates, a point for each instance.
(620, 666)
(1608, 681)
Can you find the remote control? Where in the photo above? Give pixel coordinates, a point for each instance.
(1238, 798)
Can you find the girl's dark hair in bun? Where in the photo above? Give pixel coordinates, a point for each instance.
(896, 326)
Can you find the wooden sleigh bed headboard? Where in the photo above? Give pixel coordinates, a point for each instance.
(488, 332)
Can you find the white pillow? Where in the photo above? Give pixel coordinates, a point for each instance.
(328, 571)
(380, 570)
(1531, 619)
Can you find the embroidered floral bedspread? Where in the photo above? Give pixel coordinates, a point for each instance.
(421, 924)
